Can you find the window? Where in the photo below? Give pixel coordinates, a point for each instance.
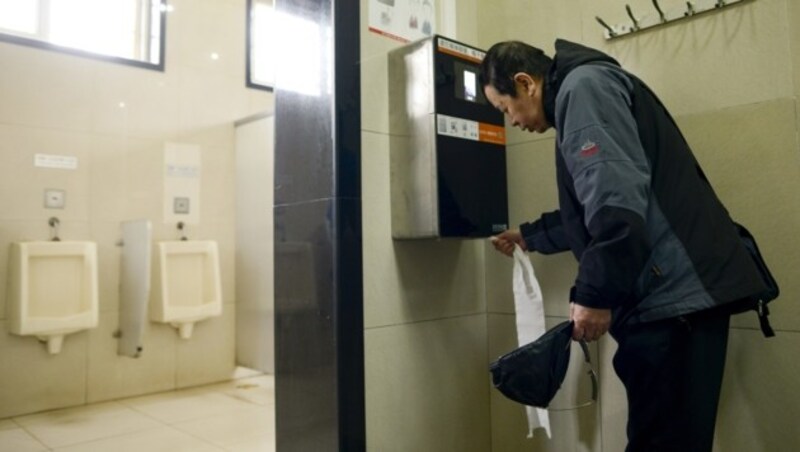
(127, 31)
(261, 48)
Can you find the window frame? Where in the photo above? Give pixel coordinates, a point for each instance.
(45, 45)
(249, 82)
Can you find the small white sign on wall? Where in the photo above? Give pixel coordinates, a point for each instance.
(182, 170)
(55, 161)
(403, 20)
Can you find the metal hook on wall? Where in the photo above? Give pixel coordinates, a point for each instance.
(633, 19)
(610, 30)
(181, 226)
(54, 223)
(660, 12)
(689, 9)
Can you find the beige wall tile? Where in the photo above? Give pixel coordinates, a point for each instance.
(223, 32)
(703, 64)
(426, 386)
(111, 376)
(411, 280)
(793, 15)
(375, 93)
(208, 356)
(150, 98)
(217, 190)
(22, 184)
(45, 89)
(532, 187)
(34, 380)
(760, 402)
(209, 105)
(145, 180)
(750, 155)
(108, 182)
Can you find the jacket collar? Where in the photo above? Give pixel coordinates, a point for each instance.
(569, 56)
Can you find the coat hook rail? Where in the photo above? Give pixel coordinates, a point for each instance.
(660, 17)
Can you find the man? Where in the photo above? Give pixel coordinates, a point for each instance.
(659, 257)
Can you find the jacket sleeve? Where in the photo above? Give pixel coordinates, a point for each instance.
(545, 235)
(599, 142)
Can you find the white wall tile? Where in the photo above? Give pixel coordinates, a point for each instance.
(411, 280)
(426, 386)
(760, 401)
(208, 356)
(111, 376)
(749, 154)
(34, 380)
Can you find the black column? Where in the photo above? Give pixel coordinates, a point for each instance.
(319, 356)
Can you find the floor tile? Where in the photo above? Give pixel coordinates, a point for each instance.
(233, 416)
(233, 428)
(18, 440)
(161, 439)
(79, 425)
(263, 443)
(182, 406)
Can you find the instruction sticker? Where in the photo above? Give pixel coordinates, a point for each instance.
(470, 130)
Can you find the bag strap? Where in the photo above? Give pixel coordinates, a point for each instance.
(592, 375)
(749, 243)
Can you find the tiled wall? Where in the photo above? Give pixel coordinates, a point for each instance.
(60, 104)
(731, 80)
(424, 301)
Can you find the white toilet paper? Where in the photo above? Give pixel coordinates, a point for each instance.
(529, 308)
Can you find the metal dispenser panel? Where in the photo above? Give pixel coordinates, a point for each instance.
(447, 152)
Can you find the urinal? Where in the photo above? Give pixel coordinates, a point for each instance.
(186, 284)
(52, 290)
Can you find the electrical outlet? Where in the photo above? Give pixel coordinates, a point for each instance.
(180, 205)
(54, 199)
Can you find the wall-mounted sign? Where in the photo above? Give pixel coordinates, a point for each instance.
(402, 20)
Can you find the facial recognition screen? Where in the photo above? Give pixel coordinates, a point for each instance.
(467, 83)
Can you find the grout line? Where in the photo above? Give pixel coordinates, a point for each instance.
(416, 322)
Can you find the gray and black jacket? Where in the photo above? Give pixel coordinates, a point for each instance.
(634, 207)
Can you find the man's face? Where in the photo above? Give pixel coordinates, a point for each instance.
(526, 110)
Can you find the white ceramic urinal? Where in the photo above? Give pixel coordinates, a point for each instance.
(186, 284)
(52, 290)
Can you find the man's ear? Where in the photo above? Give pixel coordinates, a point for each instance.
(527, 82)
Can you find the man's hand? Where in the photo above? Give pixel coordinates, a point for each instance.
(590, 323)
(505, 241)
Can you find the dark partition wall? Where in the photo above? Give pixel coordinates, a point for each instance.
(319, 356)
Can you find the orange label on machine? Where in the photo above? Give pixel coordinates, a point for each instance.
(491, 133)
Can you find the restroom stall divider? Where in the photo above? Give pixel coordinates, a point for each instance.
(319, 344)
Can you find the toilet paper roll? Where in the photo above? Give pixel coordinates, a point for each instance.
(529, 309)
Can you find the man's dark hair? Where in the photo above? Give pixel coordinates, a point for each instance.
(505, 59)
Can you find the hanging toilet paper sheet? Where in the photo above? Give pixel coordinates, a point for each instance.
(529, 308)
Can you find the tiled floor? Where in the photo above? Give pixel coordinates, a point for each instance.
(236, 416)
